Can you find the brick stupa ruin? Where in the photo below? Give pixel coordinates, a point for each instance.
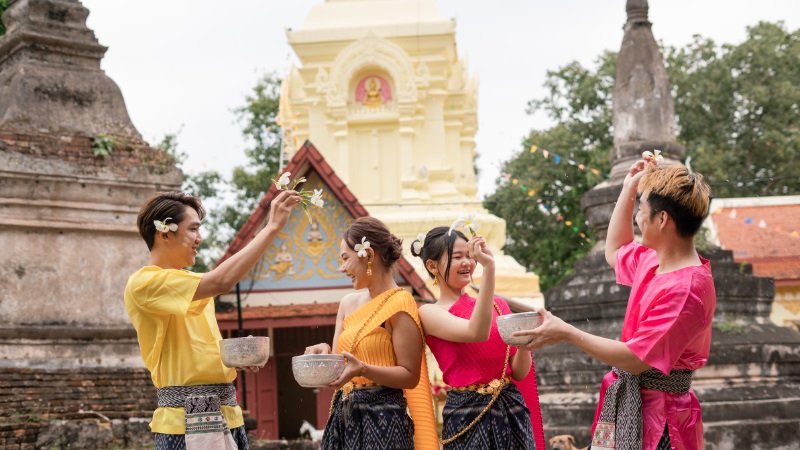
(68, 238)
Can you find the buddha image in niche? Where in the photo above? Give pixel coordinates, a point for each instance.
(315, 240)
(373, 97)
(283, 262)
(373, 91)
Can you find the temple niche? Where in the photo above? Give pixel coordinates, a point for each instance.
(381, 91)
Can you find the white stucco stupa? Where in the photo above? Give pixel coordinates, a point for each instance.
(381, 91)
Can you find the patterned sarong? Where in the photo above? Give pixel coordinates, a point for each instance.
(206, 427)
(663, 443)
(178, 441)
(620, 424)
(371, 418)
(506, 426)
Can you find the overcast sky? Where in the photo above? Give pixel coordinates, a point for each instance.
(184, 65)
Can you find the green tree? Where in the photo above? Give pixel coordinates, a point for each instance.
(540, 198)
(738, 109)
(737, 106)
(3, 8)
(230, 200)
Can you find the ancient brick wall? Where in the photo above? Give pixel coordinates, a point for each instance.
(80, 149)
(33, 400)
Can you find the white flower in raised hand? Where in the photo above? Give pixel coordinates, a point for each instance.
(416, 246)
(470, 224)
(362, 247)
(457, 224)
(316, 199)
(655, 155)
(465, 221)
(283, 181)
(162, 226)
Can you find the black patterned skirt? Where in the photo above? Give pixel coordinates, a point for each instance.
(371, 418)
(506, 426)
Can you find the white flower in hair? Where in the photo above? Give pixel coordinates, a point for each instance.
(316, 199)
(416, 246)
(362, 247)
(162, 226)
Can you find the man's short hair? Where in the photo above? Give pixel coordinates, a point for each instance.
(684, 195)
(162, 205)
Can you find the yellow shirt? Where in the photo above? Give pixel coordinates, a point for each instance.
(179, 338)
(373, 345)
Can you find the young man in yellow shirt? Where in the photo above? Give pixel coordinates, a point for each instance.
(173, 314)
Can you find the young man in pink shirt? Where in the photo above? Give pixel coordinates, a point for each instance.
(646, 401)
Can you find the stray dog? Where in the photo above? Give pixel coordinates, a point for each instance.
(564, 442)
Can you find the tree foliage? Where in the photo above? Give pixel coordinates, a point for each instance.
(737, 106)
(231, 200)
(738, 109)
(538, 191)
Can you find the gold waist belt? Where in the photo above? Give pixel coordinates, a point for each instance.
(488, 388)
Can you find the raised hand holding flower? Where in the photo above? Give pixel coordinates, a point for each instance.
(307, 197)
(654, 156)
(465, 221)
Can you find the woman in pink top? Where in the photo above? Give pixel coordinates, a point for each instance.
(646, 401)
(484, 409)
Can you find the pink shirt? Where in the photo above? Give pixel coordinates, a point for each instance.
(466, 363)
(668, 326)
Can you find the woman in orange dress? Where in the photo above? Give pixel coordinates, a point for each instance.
(379, 333)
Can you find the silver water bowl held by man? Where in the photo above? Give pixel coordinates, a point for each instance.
(317, 370)
(251, 351)
(510, 323)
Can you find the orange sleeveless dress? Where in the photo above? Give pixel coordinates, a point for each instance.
(374, 346)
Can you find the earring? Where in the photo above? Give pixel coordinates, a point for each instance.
(435, 280)
(369, 268)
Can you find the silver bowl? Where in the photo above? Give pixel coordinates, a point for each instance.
(510, 323)
(251, 351)
(317, 370)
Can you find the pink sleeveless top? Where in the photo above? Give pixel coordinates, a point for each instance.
(465, 363)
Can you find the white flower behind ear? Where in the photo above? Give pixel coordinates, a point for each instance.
(362, 247)
(162, 226)
(416, 246)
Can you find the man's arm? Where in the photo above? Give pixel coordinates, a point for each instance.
(225, 276)
(620, 227)
(608, 351)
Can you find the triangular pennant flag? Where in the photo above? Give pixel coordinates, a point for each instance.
(581, 166)
(762, 224)
(545, 153)
(515, 181)
(732, 215)
(749, 220)
(595, 171)
(534, 148)
(558, 159)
